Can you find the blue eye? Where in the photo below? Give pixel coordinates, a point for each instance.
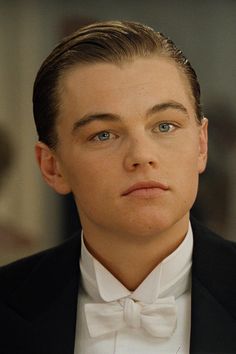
(165, 127)
(102, 136)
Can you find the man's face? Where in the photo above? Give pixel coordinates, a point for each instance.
(130, 148)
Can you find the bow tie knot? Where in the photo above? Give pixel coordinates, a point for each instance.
(158, 319)
(132, 312)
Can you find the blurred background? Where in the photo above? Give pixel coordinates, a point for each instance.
(32, 217)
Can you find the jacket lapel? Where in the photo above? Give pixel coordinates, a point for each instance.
(44, 305)
(213, 326)
(213, 329)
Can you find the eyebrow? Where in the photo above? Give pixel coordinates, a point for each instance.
(89, 118)
(160, 107)
(111, 117)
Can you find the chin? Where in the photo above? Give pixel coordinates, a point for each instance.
(153, 224)
(147, 228)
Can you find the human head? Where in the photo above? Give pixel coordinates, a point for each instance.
(108, 42)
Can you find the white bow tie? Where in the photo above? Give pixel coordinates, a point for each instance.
(158, 319)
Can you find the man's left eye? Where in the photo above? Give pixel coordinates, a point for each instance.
(165, 127)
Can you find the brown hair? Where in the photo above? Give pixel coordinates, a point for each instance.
(112, 42)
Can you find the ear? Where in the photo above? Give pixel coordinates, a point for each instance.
(203, 145)
(50, 168)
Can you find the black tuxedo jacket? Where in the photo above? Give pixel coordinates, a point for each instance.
(38, 298)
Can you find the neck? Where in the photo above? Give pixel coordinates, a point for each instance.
(130, 261)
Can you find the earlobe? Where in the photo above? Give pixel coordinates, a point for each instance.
(203, 145)
(50, 168)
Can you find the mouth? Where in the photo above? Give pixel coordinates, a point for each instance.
(146, 189)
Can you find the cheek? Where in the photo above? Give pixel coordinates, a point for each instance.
(183, 157)
(89, 175)
(190, 177)
(183, 169)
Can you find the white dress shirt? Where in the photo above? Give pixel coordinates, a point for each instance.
(170, 278)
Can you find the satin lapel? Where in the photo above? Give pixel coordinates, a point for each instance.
(45, 304)
(213, 325)
(54, 330)
(212, 328)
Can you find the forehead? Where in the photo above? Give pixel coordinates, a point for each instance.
(126, 87)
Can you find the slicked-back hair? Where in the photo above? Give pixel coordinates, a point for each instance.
(102, 42)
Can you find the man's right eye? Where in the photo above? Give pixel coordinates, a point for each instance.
(103, 136)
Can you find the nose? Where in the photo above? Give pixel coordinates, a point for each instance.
(141, 154)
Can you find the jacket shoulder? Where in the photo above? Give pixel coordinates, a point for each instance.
(214, 265)
(208, 242)
(13, 274)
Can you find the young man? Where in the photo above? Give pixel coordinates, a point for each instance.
(117, 110)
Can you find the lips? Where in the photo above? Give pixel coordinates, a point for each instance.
(145, 186)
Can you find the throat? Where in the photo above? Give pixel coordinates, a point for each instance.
(132, 263)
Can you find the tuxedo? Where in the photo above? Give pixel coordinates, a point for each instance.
(38, 298)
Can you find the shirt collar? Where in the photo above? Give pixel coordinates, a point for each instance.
(170, 277)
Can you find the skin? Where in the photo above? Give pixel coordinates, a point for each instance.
(99, 158)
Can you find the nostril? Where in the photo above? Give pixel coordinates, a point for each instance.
(136, 164)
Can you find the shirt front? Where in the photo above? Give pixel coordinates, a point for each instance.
(170, 278)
